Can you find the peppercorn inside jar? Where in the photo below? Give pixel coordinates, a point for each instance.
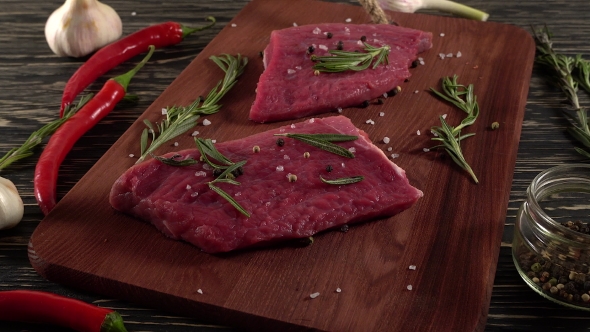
(551, 246)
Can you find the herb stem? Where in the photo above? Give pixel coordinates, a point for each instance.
(340, 61)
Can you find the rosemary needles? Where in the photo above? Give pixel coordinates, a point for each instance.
(180, 119)
(26, 149)
(568, 73)
(450, 137)
(340, 61)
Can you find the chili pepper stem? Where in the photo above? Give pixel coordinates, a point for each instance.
(187, 31)
(124, 79)
(113, 322)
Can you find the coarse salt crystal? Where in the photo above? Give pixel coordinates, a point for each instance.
(290, 71)
(317, 31)
(422, 62)
(206, 122)
(175, 143)
(441, 55)
(286, 157)
(409, 287)
(233, 25)
(416, 91)
(338, 290)
(195, 133)
(442, 34)
(323, 47)
(298, 67)
(459, 54)
(394, 155)
(293, 126)
(207, 167)
(346, 29)
(339, 109)
(314, 295)
(213, 141)
(426, 149)
(418, 132)
(348, 20)
(385, 95)
(200, 173)
(386, 140)
(434, 133)
(164, 111)
(381, 113)
(133, 13)
(239, 193)
(444, 116)
(390, 149)
(343, 165)
(188, 186)
(371, 122)
(195, 194)
(352, 149)
(450, 55)
(280, 168)
(312, 120)
(294, 24)
(360, 43)
(412, 267)
(131, 155)
(200, 291)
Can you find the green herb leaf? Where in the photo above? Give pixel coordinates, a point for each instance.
(180, 119)
(207, 150)
(37, 137)
(568, 73)
(463, 97)
(323, 142)
(228, 198)
(223, 178)
(343, 181)
(340, 61)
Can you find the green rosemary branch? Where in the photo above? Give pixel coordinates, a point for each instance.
(324, 142)
(226, 177)
(463, 97)
(343, 181)
(26, 149)
(568, 74)
(340, 61)
(180, 119)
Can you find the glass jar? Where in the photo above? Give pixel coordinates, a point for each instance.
(551, 246)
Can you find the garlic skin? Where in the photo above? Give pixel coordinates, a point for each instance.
(79, 27)
(11, 205)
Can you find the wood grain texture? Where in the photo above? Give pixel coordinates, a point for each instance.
(269, 289)
(31, 81)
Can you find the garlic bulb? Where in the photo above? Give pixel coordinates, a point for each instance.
(11, 205)
(79, 27)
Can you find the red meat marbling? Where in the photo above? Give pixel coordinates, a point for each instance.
(178, 201)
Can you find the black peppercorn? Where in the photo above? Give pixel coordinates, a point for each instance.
(380, 101)
(329, 35)
(217, 172)
(415, 63)
(310, 49)
(363, 38)
(365, 104)
(329, 168)
(280, 142)
(344, 228)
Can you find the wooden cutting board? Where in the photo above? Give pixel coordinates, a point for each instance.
(452, 235)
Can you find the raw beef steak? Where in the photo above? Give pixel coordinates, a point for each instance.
(288, 88)
(178, 201)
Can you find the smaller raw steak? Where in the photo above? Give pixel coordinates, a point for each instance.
(288, 88)
(178, 201)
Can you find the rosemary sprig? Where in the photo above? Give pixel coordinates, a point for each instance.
(324, 142)
(207, 149)
(340, 61)
(569, 74)
(463, 97)
(343, 181)
(226, 178)
(180, 119)
(174, 162)
(26, 149)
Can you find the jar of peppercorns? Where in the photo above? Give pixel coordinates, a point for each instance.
(551, 246)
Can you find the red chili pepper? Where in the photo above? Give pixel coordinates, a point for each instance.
(64, 138)
(48, 308)
(108, 57)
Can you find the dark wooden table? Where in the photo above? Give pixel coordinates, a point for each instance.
(32, 80)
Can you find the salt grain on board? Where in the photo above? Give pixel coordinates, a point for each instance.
(348, 20)
(386, 140)
(294, 24)
(164, 111)
(394, 155)
(426, 150)
(441, 55)
(195, 133)
(314, 295)
(390, 149)
(381, 113)
(233, 25)
(418, 132)
(459, 54)
(412, 267)
(131, 155)
(200, 291)
(206, 122)
(338, 290)
(133, 13)
(409, 287)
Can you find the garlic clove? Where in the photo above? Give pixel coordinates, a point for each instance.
(11, 205)
(80, 27)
